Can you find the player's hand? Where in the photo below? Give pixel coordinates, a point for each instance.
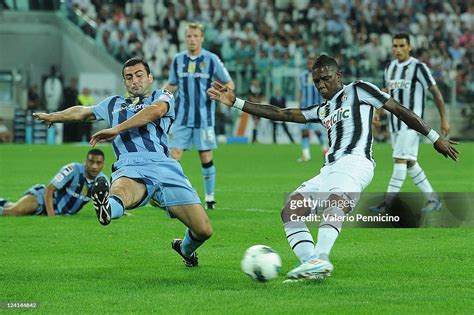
(376, 120)
(45, 118)
(445, 128)
(221, 93)
(103, 136)
(446, 148)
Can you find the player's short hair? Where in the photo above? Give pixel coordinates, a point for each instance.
(403, 35)
(325, 61)
(195, 25)
(96, 152)
(135, 61)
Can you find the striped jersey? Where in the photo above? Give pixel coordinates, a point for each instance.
(406, 82)
(348, 119)
(193, 76)
(151, 138)
(73, 188)
(309, 94)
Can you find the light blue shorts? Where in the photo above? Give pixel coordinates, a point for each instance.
(314, 127)
(38, 192)
(163, 178)
(183, 137)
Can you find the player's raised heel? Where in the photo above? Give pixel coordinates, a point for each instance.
(431, 205)
(314, 269)
(100, 198)
(191, 261)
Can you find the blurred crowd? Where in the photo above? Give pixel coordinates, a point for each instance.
(256, 38)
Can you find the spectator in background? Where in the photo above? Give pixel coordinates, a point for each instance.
(85, 99)
(70, 93)
(34, 101)
(53, 90)
(279, 101)
(6, 135)
(255, 95)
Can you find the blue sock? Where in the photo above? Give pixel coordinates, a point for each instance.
(116, 204)
(189, 244)
(305, 143)
(209, 174)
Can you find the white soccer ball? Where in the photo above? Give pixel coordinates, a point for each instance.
(261, 263)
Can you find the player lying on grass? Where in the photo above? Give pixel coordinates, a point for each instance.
(347, 115)
(143, 170)
(67, 192)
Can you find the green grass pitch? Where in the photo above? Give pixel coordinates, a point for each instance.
(74, 265)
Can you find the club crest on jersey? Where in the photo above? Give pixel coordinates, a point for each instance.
(337, 116)
(202, 65)
(344, 97)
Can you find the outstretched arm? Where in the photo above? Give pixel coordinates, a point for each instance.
(443, 146)
(49, 199)
(439, 101)
(75, 113)
(226, 96)
(145, 116)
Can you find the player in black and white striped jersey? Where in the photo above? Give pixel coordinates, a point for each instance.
(347, 114)
(406, 79)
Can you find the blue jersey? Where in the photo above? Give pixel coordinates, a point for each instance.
(151, 138)
(193, 76)
(73, 188)
(309, 94)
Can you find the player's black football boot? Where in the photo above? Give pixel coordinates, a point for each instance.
(191, 261)
(100, 198)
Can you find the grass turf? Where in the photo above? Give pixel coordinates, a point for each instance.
(74, 265)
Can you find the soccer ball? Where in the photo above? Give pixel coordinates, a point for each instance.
(261, 263)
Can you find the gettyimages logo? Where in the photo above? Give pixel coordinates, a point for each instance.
(405, 210)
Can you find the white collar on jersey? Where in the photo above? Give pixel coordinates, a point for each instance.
(405, 62)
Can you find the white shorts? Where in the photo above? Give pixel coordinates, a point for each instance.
(405, 144)
(347, 177)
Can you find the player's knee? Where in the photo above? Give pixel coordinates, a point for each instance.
(411, 163)
(176, 154)
(204, 232)
(295, 206)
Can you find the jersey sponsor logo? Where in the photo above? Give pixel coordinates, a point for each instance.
(194, 75)
(131, 107)
(337, 116)
(398, 84)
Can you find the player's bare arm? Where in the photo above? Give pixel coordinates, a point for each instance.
(75, 113)
(439, 101)
(226, 96)
(49, 199)
(145, 116)
(443, 146)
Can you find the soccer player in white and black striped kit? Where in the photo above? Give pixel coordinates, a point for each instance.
(347, 115)
(406, 79)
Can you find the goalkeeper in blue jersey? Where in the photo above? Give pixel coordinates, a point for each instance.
(144, 171)
(66, 194)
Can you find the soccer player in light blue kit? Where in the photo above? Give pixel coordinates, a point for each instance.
(143, 170)
(191, 73)
(309, 96)
(66, 194)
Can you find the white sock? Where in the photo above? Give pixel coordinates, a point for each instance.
(306, 154)
(300, 240)
(209, 197)
(396, 181)
(328, 232)
(419, 178)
